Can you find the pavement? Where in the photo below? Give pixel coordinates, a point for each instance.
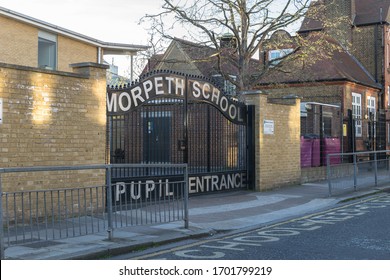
(208, 215)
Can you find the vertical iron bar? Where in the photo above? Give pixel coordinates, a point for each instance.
(23, 227)
(85, 211)
(52, 213)
(31, 222)
(208, 145)
(79, 209)
(16, 220)
(110, 229)
(91, 205)
(376, 168)
(72, 207)
(59, 212)
(185, 185)
(97, 208)
(66, 213)
(185, 121)
(140, 201)
(7, 215)
(328, 174)
(354, 172)
(45, 210)
(127, 205)
(37, 214)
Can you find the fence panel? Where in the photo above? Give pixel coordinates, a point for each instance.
(75, 208)
(353, 171)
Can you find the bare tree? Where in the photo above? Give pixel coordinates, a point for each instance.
(249, 23)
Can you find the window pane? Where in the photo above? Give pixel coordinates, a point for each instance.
(47, 54)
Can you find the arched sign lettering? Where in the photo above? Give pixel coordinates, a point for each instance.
(193, 89)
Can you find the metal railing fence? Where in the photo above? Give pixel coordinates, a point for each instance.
(40, 214)
(347, 171)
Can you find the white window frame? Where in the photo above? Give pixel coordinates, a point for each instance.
(371, 108)
(275, 56)
(357, 113)
(388, 96)
(51, 56)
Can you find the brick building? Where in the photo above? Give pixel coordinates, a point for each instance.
(52, 98)
(354, 76)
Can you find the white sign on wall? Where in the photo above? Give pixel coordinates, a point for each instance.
(1, 110)
(269, 127)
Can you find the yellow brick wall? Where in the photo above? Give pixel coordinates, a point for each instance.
(71, 51)
(52, 119)
(278, 154)
(19, 45)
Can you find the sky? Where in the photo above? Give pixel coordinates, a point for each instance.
(106, 20)
(115, 21)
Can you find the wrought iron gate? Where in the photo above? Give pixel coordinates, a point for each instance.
(173, 118)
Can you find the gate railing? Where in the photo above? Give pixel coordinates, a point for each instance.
(40, 214)
(347, 171)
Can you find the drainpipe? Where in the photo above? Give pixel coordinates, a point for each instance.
(99, 55)
(376, 52)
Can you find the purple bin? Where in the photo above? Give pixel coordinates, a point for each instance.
(316, 153)
(331, 146)
(306, 152)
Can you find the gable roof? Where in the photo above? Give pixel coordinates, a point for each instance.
(366, 12)
(340, 65)
(196, 56)
(200, 58)
(108, 47)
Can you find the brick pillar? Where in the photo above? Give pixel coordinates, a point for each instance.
(277, 140)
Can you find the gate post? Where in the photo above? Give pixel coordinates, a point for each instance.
(251, 146)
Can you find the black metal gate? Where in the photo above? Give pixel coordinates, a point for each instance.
(172, 118)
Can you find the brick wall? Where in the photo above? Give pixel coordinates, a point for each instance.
(52, 118)
(363, 48)
(71, 51)
(19, 45)
(277, 154)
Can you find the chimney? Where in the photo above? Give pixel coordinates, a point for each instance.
(228, 40)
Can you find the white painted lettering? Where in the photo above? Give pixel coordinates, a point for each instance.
(206, 91)
(170, 80)
(215, 96)
(149, 186)
(148, 86)
(135, 194)
(180, 86)
(120, 188)
(112, 104)
(224, 104)
(121, 106)
(136, 93)
(232, 111)
(196, 92)
(158, 84)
